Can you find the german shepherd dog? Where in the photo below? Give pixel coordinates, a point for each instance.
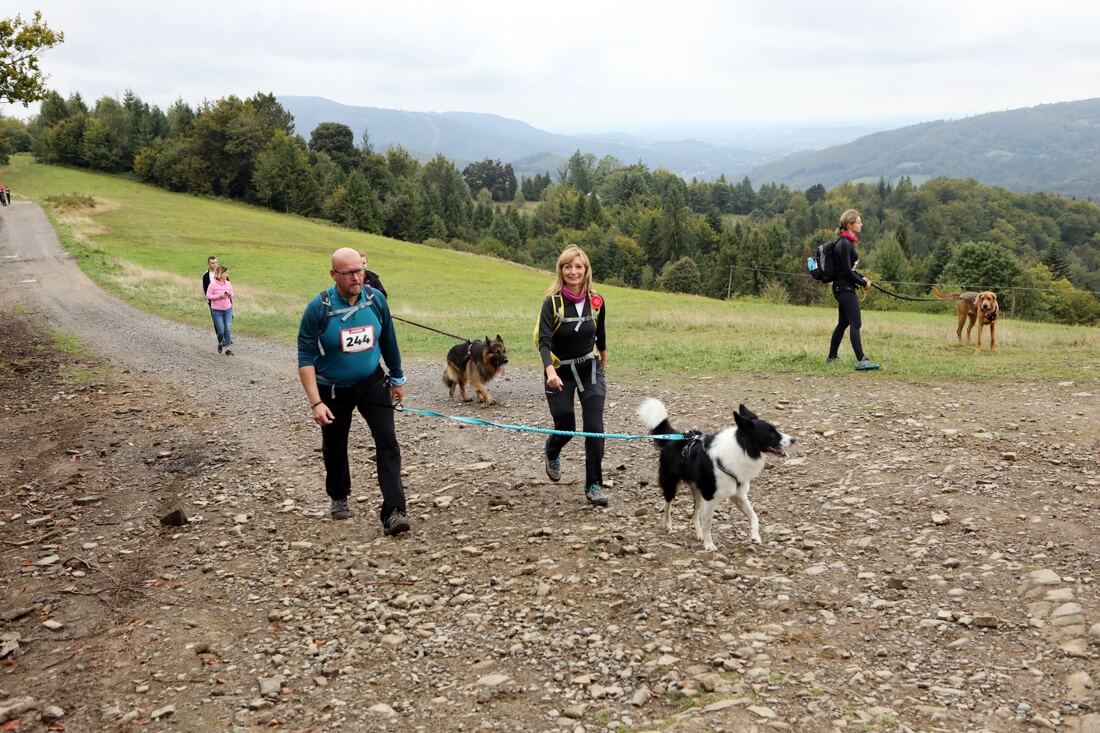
(474, 362)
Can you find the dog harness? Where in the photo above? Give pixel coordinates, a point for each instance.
(693, 440)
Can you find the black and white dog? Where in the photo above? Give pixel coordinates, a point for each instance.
(717, 466)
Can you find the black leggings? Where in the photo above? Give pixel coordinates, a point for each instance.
(848, 317)
(562, 410)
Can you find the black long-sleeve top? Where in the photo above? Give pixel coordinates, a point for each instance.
(569, 342)
(845, 258)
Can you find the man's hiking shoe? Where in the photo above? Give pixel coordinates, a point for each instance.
(831, 359)
(553, 468)
(396, 523)
(339, 509)
(228, 352)
(220, 347)
(595, 495)
(866, 365)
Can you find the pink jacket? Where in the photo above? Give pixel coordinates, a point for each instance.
(220, 295)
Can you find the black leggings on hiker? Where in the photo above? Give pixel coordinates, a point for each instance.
(849, 317)
(592, 403)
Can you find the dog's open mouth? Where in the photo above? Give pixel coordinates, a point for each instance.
(777, 450)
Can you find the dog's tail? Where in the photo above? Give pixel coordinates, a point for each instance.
(944, 296)
(655, 417)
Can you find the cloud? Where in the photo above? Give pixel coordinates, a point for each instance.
(590, 64)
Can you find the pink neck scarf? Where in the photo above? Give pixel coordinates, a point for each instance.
(571, 296)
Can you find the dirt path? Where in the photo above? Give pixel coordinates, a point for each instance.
(928, 561)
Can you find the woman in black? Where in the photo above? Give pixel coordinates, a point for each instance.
(847, 280)
(573, 347)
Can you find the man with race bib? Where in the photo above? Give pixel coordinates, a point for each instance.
(345, 334)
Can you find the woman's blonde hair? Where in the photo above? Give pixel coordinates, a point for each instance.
(847, 219)
(220, 269)
(568, 255)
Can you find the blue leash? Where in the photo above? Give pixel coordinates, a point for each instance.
(544, 431)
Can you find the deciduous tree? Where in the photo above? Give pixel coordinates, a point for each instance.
(21, 43)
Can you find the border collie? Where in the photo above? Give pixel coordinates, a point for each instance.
(716, 466)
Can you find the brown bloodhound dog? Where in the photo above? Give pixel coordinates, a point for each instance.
(980, 307)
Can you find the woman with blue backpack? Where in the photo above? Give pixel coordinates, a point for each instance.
(845, 281)
(573, 346)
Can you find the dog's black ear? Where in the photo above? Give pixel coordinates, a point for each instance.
(743, 422)
(499, 338)
(746, 412)
(486, 340)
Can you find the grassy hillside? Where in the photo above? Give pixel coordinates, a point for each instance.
(1051, 147)
(149, 247)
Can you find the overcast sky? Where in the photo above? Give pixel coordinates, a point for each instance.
(573, 65)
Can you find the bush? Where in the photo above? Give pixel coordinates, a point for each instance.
(71, 201)
(775, 292)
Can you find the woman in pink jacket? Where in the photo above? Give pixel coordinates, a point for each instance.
(220, 296)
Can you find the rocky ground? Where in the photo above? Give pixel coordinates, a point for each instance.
(928, 560)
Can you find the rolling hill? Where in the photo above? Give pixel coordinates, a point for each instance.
(1051, 147)
(470, 136)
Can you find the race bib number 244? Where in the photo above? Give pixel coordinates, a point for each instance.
(360, 338)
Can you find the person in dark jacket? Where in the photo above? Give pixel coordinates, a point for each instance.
(845, 259)
(573, 347)
(372, 279)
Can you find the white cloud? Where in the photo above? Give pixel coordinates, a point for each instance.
(592, 64)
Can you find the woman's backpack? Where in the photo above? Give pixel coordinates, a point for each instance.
(820, 263)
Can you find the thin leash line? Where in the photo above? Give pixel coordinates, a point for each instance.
(906, 297)
(999, 289)
(530, 429)
(427, 328)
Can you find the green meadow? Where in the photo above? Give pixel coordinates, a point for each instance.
(149, 247)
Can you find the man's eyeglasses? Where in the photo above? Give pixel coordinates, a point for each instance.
(351, 273)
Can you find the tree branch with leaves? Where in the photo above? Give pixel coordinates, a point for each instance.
(21, 42)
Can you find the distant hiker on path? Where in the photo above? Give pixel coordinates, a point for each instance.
(847, 280)
(220, 296)
(345, 334)
(207, 278)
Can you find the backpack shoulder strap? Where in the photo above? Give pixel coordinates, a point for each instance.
(558, 303)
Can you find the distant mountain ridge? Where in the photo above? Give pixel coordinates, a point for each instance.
(471, 136)
(1050, 147)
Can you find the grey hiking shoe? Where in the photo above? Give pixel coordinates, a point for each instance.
(340, 509)
(596, 495)
(831, 359)
(865, 365)
(396, 523)
(553, 468)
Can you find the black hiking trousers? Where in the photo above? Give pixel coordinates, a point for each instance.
(562, 410)
(372, 398)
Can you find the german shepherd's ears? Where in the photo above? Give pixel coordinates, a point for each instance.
(499, 338)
